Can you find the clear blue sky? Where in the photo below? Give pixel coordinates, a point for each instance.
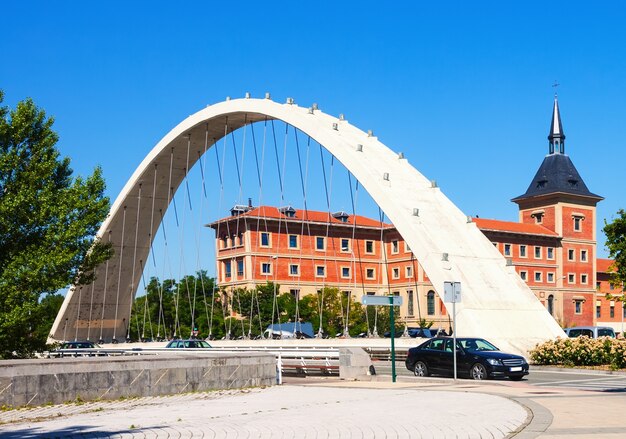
(462, 88)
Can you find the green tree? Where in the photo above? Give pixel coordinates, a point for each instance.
(615, 232)
(48, 220)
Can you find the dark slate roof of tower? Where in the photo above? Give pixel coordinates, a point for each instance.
(557, 174)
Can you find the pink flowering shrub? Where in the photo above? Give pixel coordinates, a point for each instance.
(581, 351)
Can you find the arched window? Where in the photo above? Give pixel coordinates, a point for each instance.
(430, 303)
(551, 304)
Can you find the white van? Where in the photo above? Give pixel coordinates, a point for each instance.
(590, 331)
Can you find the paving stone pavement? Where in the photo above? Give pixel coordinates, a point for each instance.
(289, 411)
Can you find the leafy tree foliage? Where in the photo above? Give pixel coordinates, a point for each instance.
(48, 220)
(616, 243)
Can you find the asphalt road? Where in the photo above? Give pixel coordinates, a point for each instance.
(545, 377)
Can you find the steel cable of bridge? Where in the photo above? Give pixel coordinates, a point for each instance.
(80, 294)
(329, 215)
(104, 296)
(93, 284)
(119, 275)
(130, 306)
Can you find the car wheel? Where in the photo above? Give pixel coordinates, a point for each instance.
(517, 378)
(479, 372)
(420, 369)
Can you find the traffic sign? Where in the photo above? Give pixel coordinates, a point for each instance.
(381, 300)
(452, 292)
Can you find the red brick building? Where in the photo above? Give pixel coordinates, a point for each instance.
(553, 248)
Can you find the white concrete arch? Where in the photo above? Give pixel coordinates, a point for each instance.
(497, 304)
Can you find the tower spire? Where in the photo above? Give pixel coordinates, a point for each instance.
(556, 136)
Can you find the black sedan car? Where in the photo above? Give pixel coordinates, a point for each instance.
(476, 358)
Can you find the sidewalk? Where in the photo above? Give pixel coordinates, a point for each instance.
(331, 408)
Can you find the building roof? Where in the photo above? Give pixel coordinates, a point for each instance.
(512, 227)
(557, 174)
(270, 212)
(604, 265)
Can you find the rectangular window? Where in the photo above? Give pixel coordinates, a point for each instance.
(571, 278)
(507, 249)
(320, 271)
(394, 247)
(395, 273)
(522, 251)
(345, 272)
(294, 269)
(583, 279)
(409, 296)
(598, 311)
(370, 273)
(320, 243)
(369, 247)
(612, 312)
(240, 239)
(265, 239)
(523, 275)
(409, 272)
(551, 277)
(295, 293)
(345, 245)
(407, 249)
(266, 268)
(550, 252)
(240, 267)
(611, 286)
(537, 252)
(571, 256)
(371, 293)
(578, 221)
(583, 256)
(227, 269)
(224, 242)
(537, 276)
(293, 241)
(578, 306)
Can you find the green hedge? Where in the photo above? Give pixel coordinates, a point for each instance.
(581, 351)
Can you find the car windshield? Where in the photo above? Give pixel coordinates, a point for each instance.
(476, 344)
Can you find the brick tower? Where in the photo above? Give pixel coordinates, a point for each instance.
(558, 199)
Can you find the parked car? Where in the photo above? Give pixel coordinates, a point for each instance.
(590, 331)
(476, 358)
(79, 345)
(188, 344)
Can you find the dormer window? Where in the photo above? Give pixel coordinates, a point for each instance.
(538, 215)
(541, 183)
(573, 183)
(288, 211)
(341, 216)
(239, 209)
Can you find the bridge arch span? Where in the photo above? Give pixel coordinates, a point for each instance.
(496, 304)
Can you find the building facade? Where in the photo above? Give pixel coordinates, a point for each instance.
(553, 248)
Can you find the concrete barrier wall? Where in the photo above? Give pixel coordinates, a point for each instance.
(39, 382)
